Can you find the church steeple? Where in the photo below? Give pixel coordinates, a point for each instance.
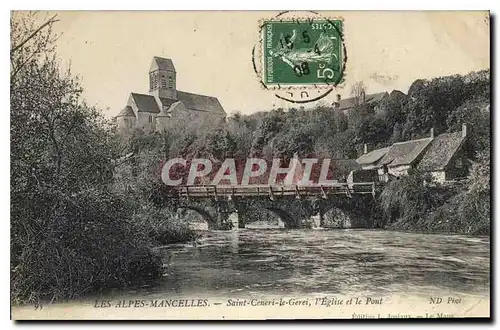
(162, 78)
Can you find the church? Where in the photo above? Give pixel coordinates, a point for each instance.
(165, 106)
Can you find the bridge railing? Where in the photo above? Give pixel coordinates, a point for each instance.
(210, 191)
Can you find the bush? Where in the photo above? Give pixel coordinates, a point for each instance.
(465, 213)
(74, 245)
(409, 201)
(469, 212)
(163, 226)
(409, 204)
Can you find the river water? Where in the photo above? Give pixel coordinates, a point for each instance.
(253, 262)
(306, 273)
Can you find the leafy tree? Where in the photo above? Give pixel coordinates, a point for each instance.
(70, 230)
(270, 126)
(296, 141)
(475, 113)
(221, 144)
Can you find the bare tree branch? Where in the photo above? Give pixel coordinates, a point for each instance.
(50, 21)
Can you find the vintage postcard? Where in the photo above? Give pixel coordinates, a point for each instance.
(225, 165)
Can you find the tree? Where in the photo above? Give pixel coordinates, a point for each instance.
(475, 113)
(220, 144)
(358, 90)
(268, 129)
(30, 40)
(70, 231)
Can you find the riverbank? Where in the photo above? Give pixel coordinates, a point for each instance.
(411, 204)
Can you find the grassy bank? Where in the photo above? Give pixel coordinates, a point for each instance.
(164, 226)
(410, 204)
(66, 247)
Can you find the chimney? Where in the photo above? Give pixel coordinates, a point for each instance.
(464, 130)
(336, 103)
(365, 149)
(432, 133)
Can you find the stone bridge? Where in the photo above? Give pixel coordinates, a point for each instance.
(297, 207)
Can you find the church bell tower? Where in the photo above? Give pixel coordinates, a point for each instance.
(162, 78)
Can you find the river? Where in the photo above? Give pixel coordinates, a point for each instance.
(264, 273)
(253, 262)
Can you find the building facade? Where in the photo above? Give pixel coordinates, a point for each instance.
(370, 101)
(165, 106)
(443, 157)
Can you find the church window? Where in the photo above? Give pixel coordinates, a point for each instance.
(150, 119)
(163, 81)
(170, 82)
(151, 81)
(154, 80)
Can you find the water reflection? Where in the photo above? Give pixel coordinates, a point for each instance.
(278, 261)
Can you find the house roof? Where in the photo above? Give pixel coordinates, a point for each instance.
(441, 151)
(337, 167)
(343, 166)
(377, 97)
(372, 156)
(345, 104)
(161, 63)
(126, 112)
(405, 153)
(145, 103)
(196, 102)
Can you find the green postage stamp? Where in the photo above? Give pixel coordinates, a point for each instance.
(302, 52)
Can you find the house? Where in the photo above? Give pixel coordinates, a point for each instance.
(341, 168)
(370, 160)
(402, 156)
(366, 100)
(396, 159)
(445, 159)
(165, 106)
(442, 156)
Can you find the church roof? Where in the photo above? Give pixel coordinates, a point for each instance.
(161, 63)
(166, 102)
(169, 108)
(126, 112)
(196, 102)
(441, 151)
(145, 103)
(405, 153)
(164, 113)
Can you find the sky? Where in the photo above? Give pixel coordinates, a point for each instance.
(112, 52)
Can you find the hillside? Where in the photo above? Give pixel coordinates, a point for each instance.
(442, 103)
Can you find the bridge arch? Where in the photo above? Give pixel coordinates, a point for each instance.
(284, 216)
(335, 217)
(209, 217)
(286, 212)
(255, 215)
(350, 212)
